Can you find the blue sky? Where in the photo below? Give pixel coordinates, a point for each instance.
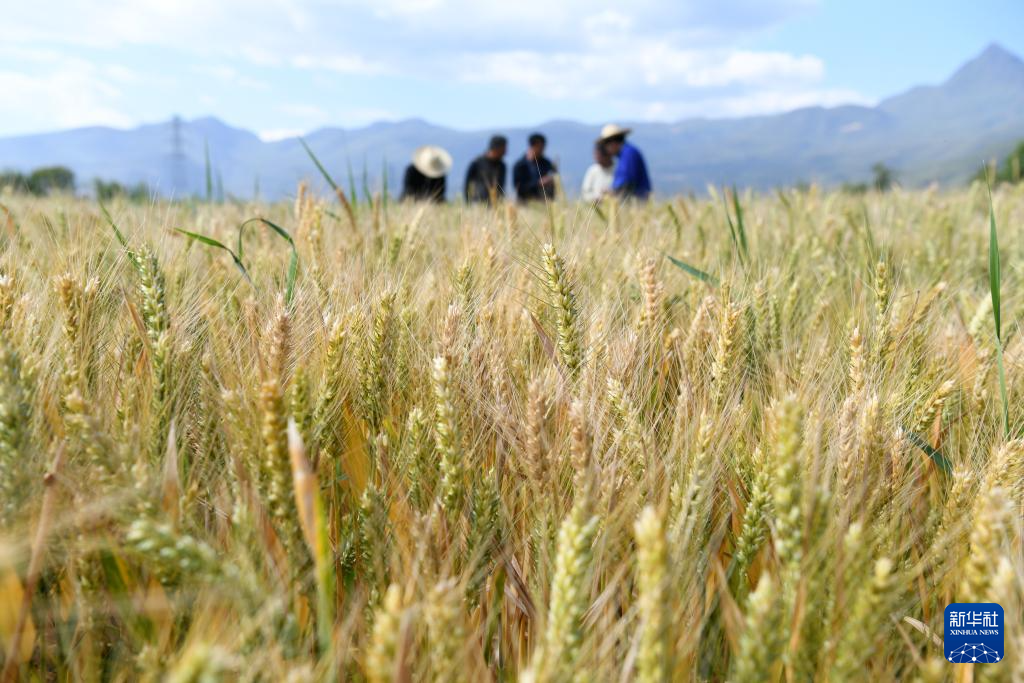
(282, 67)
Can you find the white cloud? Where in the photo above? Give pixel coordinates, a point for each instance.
(340, 63)
(29, 54)
(276, 134)
(606, 24)
(121, 74)
(747, 104)
(532, 23)
(655, 66)
(392, 9)
(756, 67)
(219, 71)
(318, 27)
(648, 58)
(71, 94)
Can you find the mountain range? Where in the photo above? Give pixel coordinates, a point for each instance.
(940, 133)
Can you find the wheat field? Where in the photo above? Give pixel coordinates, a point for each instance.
(396, 442)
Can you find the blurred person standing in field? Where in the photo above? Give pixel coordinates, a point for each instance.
(485, 177)
(425, 177)
(597, 181)
(534, 175)
(630, 178)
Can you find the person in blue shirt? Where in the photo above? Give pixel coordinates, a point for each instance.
(631, 179)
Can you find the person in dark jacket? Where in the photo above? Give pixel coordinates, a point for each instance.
(425, 177)
(485, 177)
(534, 174)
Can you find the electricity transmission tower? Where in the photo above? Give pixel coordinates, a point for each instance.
(179, 179)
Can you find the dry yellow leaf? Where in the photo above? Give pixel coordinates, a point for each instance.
(11, 596)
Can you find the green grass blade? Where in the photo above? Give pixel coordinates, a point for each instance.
(325, 578)
(132, 256)
(353, 198)
(740, 229)
(320, 167)
(1002, 388)
(209, 172)
(695, 272)
(732, 231)
(209, 241)
(675, 220)
(937, 457)
(113, 225)
(293, 262)
(494, 619)
(995, 284)
(338, 192)
(367, 193)
(204, 239)
(784, 200)
(276, 228)
(994, 275)
(869, 235)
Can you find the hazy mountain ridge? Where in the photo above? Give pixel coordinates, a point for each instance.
(937, 133)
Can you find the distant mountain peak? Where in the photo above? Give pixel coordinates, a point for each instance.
(994, 64)
(995, 51)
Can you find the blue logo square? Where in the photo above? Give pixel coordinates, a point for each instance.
(974, 633)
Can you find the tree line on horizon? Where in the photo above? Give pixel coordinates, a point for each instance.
(1009, 171)
(47, 180)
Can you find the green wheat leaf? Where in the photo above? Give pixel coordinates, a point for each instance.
(995, 284)
(293, 263)
(203, 239)
(695, 272)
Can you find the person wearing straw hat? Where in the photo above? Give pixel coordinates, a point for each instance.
(425, 177)
(631, 179)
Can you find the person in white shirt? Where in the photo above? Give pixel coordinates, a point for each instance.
(598, 180)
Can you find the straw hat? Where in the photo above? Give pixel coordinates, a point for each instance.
(432, 161)
(611, 130)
